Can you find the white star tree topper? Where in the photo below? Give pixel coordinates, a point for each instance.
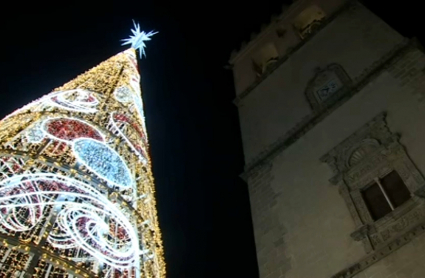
(137, 40)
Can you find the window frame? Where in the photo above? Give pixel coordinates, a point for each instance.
(385, 154)
(394, 209)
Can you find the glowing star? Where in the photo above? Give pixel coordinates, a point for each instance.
(138, 39)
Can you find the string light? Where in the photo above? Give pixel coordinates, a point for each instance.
(75, 180)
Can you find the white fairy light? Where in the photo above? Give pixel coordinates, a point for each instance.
(119, 130)
(93, 237)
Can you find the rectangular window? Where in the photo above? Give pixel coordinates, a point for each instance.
(385, 195)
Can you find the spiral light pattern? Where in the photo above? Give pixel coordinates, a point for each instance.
(85, 218)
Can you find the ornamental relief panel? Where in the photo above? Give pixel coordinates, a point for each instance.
(367, 171)
(397, 228)
(327, 85)
(375, 133)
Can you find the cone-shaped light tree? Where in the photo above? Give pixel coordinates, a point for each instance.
(76, 188)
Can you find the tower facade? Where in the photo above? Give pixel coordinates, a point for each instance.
(331, 108)
(76, 188)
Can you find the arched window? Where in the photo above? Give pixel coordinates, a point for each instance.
(265, 58)
(308, 21)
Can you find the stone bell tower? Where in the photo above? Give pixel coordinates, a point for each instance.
(330, 100)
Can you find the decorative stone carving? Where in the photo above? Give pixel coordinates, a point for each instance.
(361, 233)
(373, 152)
(345, 193)
(375, 132)
(365, 148)
(381, 253)
(327, 86)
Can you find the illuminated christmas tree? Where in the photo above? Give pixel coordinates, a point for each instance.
(76, 188)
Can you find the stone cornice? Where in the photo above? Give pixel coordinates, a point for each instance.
(314, 118)
(381, 253)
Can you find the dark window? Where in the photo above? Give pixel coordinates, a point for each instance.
(376, 203)
(395, 188)
(396, 193)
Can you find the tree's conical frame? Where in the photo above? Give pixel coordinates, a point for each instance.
(76, 188)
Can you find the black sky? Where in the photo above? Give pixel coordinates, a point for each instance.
(193, 126)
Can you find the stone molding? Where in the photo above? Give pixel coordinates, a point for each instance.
(381, 253)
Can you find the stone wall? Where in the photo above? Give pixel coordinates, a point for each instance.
(302, 224)
(356, 40)
(269, 231)
(407, 262)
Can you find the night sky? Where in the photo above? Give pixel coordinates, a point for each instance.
(194, 135)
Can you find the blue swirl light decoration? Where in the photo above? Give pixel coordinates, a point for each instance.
(76, 188)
